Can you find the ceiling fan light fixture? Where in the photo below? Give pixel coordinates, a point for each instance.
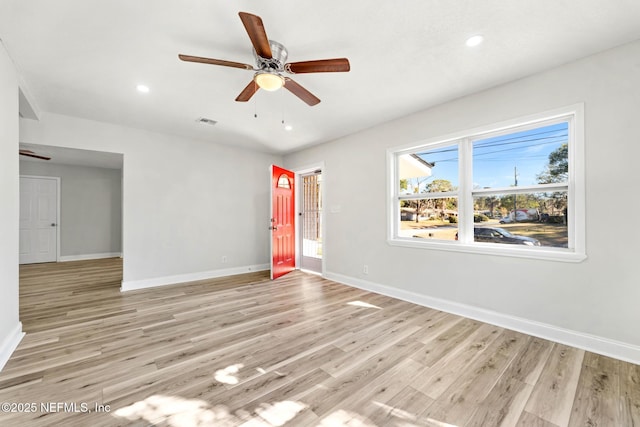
(269, 81)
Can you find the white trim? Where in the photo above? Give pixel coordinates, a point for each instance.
(9, 344)
(596, 344)
(516, 251)
(539, 188)
(421, 196)
(575, 188)
(298, 225)
(577, 176)
(67, 258)
(122, 204)
(132, 285)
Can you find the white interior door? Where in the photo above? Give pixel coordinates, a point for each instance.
(38, 219)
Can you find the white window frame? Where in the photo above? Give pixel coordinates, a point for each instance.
(575, 187)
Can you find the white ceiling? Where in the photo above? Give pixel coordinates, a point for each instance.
(85, 57)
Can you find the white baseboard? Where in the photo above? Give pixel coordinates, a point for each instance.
(66, 258)
(10, 343)
(132, 285)
(593, 343)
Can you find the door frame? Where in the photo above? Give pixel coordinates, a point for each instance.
(298, 224)
(57, 179)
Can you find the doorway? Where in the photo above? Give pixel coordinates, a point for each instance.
(311, 227)
(85, 221)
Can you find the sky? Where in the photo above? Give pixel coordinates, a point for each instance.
(494, 159)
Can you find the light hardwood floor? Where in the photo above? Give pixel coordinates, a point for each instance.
(297, 351)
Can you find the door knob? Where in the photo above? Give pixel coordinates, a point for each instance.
(53, 224)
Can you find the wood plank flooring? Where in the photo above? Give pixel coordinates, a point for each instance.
(299, 351)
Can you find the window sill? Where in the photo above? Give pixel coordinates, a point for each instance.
(547, 254)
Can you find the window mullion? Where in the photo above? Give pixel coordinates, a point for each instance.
(465, 197)
(539, 188)
(393, 208)
(441, 195)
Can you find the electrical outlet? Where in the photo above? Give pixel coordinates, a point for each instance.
(224, 259)
(365, 269)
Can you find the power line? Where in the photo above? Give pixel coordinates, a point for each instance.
(503, 141)
(513, 148)
(475, 155)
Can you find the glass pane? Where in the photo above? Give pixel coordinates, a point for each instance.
(429, 218)
(283, 181)
(429, 171)
(311, 216)
(533, 219)
(536, 156)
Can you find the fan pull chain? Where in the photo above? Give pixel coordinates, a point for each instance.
(282, 105)
(255, 101)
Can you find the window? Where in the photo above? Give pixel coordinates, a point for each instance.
(515, 189)
(283, 181)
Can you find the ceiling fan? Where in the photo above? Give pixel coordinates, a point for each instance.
(30, 153)
(270, 57)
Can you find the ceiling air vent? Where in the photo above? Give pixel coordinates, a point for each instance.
(206, 121)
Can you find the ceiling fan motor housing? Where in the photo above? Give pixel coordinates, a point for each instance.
(278, 58)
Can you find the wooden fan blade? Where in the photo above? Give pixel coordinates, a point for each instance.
(301, 92)
(212, 61)
(337, 65)
(30, 153)
(248, 92)
(257, 34)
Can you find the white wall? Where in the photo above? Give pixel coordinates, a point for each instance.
(10, 327)
(186, 203)
(90, 208)
(591, 304)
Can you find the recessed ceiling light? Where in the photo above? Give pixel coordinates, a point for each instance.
(288, 127)
(474, 40)
(142, 88)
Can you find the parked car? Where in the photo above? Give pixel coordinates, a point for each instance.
(500, 235)
(521, 215)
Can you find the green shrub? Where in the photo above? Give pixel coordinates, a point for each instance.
(453, 219)
(556, 219)
(480, 218)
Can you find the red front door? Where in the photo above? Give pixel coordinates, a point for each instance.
(283, 242)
